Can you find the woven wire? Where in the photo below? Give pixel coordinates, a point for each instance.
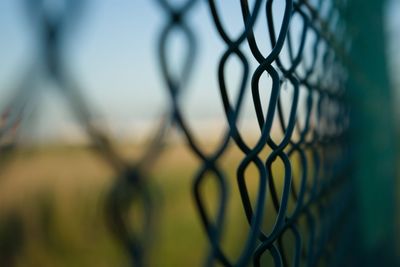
(319, 142)
(313, 130)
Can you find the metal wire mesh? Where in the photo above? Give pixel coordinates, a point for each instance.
(316, 135)
(306, 73)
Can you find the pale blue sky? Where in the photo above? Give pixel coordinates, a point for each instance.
(112, 53)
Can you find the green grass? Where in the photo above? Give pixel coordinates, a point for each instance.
(51, 200)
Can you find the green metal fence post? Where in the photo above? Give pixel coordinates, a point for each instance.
(372, 131)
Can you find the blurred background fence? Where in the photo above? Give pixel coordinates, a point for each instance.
(248, 133)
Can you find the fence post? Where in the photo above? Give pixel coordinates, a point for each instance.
(372, 131)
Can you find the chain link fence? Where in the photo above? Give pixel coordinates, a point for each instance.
(297, 84)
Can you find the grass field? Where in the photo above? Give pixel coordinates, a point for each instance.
(51, 209)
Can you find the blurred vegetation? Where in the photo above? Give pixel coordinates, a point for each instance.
(52, 208)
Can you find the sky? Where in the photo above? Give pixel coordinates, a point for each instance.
(111, 51)
(393, 33)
